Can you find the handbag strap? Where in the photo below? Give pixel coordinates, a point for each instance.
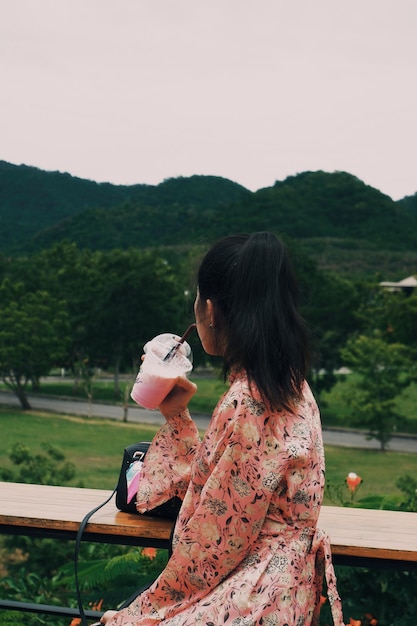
(77, 551)
(78, 539)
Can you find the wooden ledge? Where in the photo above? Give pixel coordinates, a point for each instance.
(58, 511)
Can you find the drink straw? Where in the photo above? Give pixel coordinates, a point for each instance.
(175, 347)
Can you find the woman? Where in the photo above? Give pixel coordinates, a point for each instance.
(246, 548)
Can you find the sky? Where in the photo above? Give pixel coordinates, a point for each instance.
(138, 91)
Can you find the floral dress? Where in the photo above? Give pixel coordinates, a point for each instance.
(246, 548)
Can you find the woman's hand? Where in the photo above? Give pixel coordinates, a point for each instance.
(107, 616)
(178, 398)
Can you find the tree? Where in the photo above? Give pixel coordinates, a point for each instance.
(138, 298)
(71, 275)
(329, 304)
(384, 371)
(33, 336)
(394, 315)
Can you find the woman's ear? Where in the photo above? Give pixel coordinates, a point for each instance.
(210, 313)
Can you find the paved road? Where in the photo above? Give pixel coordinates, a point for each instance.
(334, 437)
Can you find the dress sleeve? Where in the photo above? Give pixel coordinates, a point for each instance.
(242, 476)
(166, 469)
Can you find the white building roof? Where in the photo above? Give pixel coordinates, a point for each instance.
(405, 283)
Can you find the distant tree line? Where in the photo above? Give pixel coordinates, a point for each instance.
(78, 309)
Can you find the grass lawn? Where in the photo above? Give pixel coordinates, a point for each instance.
(95, 446)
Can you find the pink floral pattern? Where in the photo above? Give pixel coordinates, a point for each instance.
(247, 550)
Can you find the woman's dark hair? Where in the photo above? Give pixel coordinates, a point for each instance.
(251, 282)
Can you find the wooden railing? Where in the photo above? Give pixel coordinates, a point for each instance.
(362, 537)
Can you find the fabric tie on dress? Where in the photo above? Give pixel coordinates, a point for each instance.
(324, 566)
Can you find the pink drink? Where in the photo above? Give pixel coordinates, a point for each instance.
(157, 377)
(150, 393)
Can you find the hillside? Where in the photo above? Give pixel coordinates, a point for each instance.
(336, 205)
(409, 203)
(337, 219)
(32, 201)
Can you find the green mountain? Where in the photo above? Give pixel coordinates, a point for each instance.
(320, 204)
(409, 203)
(337, 219)
(33, 201)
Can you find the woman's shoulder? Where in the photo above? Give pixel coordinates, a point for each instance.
(242, 396)
(244, 393)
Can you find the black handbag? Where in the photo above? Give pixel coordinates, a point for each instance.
(133, 457)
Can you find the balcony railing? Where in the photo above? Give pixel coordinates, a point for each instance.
(359, 537)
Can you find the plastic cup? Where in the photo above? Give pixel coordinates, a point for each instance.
(159, 371)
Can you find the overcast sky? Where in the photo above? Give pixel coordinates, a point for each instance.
(136, 91)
